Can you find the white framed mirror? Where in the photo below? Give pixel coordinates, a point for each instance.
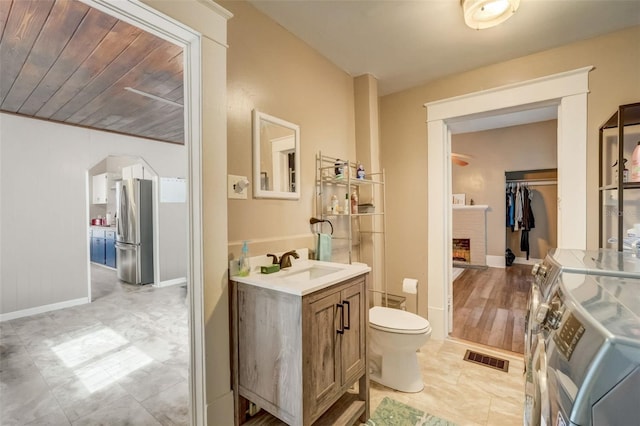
(276, 157)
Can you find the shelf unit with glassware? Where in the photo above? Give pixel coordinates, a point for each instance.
(619, 201)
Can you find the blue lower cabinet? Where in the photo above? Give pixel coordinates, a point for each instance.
(103, 247)
(110, 249)
(97, 250)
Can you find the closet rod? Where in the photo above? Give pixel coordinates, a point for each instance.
(534, 182)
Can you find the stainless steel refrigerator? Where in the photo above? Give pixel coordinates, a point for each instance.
(134, 231)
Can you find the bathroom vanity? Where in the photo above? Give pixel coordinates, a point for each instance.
(299, 342)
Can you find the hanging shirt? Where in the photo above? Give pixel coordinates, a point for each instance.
(510, 204)
(518, 209)
(528, 221)
(524, 242)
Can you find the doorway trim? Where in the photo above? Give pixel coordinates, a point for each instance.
(154, 22)
(566, 91)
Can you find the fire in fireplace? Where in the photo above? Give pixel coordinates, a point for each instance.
(462, 250)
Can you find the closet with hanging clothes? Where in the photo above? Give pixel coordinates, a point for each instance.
(531, 214)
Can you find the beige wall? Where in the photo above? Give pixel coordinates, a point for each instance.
(615, 80)
(271, 70)
(494, 152)
(200, 15)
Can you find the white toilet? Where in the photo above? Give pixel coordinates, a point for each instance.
(395, 336)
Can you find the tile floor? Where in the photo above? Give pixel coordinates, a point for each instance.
(122, 359)
(461, 391)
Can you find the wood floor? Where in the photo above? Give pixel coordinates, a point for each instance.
(490, 305)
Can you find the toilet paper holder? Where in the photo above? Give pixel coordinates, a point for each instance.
(410, 286)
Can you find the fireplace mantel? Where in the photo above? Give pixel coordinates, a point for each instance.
(474, 207)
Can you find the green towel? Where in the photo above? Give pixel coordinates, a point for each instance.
(323, 250)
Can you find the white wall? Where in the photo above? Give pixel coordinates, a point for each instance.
(43, 215)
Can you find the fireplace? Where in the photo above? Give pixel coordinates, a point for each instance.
(462, 250)
(469, 223)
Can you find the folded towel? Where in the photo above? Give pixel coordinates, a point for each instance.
(323, 249)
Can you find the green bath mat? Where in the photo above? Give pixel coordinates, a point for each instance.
(394, 413)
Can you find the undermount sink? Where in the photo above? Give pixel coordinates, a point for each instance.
(310, 273)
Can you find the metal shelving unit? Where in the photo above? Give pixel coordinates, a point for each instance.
(616, 143)
(326, 178)
(354, 227)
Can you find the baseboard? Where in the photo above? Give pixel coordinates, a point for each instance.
(496, 261)
(42, 309)
(102, 265)
(524, 261)
(175, 281)
(220, 411)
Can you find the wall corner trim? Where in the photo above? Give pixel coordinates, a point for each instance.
(216, 8)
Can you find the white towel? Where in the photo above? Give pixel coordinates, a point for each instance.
(323, 248)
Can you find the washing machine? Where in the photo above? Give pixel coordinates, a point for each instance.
(561, 262)
(585, 366)
(602, 262)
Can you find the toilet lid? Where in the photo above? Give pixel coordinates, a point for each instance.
(396, 319)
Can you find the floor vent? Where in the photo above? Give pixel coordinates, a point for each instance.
(489, 361)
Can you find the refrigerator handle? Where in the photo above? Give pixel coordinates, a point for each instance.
(125, 246)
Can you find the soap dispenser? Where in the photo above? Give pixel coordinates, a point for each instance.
(243, 262)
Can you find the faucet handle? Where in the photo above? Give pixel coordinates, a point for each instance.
(274, 257)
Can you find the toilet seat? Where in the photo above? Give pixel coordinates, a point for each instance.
(397, 321)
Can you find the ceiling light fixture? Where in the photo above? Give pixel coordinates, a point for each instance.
(481, 14)
(460, 159)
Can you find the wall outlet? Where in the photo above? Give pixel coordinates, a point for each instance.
(237, 187)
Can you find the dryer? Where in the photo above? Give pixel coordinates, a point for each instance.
(586, 363)
(557, 263)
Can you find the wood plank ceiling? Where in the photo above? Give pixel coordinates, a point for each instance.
(63, 61)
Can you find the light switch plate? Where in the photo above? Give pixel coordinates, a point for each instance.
(232, 181)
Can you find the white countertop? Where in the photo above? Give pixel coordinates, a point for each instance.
(299, 280)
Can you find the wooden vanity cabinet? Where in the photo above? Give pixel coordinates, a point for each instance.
(298, 356)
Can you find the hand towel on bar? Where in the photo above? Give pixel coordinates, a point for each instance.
(323, 250)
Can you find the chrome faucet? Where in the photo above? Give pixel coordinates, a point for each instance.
(285, 259)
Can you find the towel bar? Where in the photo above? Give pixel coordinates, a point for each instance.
(314, 220)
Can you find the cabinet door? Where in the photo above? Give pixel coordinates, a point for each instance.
(110, 253)
(325, 319)
(97, 250)
(100, 189)
(353, 339)
(92, 249)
